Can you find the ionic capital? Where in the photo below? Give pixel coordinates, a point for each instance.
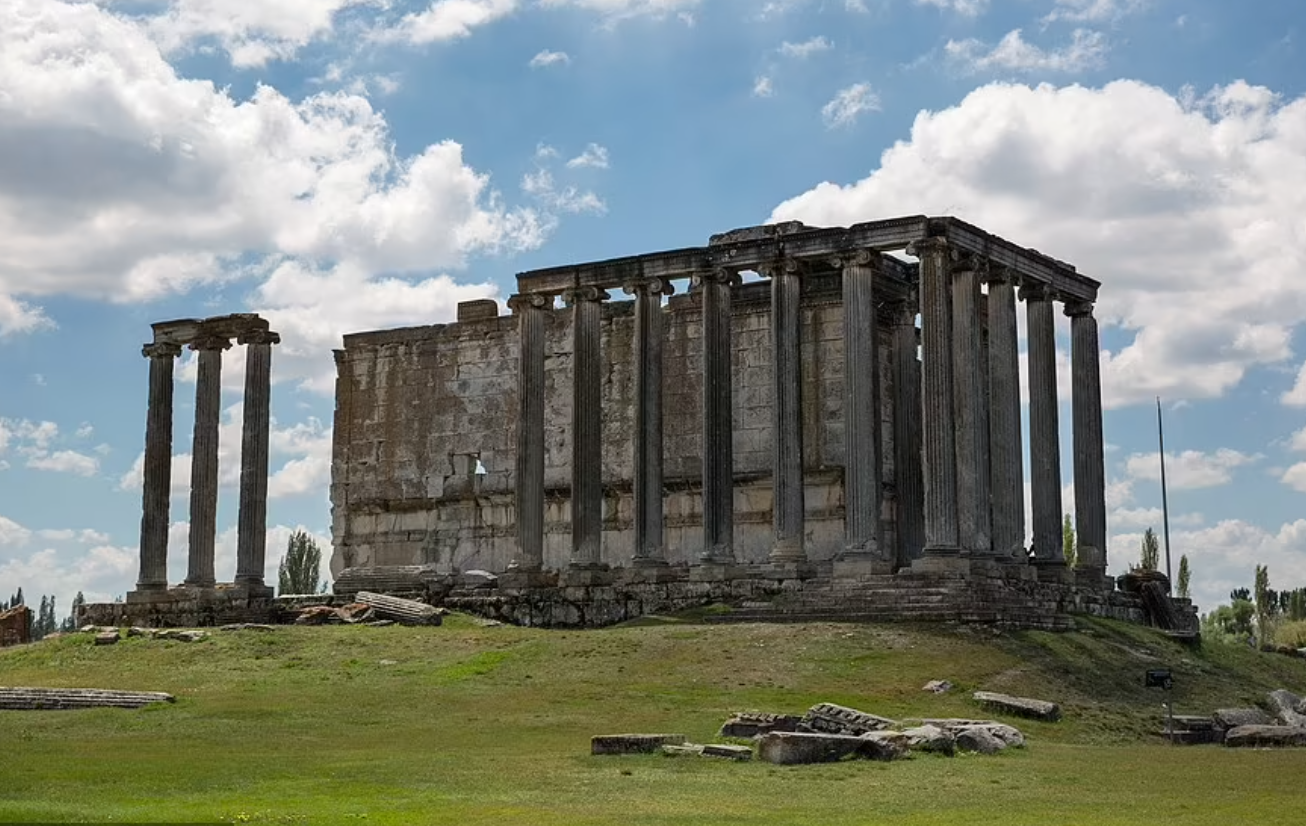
(529, 301)
(211, 341)
(649, 286)
(854, 258)
(970, 265)
(720, 275)
(924, 246)
(1078, 308)
(577, 295)
(259, 337)
(1037, 291)
(161, 350)
(999, 274)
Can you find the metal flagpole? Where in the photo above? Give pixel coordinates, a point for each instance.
(1165, 507)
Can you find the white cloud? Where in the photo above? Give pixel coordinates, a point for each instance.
(1085, 51)
(66, 461)
(858, 6)
(447, 20)
(616, 10)
(966, 8)
(762, 87)
(84, 431)
(806, 48)
(848, 104)
(12, 533)
(1180, 208)
(1093, 11)
(594, 156)
(548, 58)
(1190, 469)
(1296, 396)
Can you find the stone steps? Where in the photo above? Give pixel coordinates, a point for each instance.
(39, 699)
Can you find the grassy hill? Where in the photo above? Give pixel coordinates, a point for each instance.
(469, 724)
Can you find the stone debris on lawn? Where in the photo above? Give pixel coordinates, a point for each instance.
(633, 743)
(937, 686)
(794, 747)
(406, 611)
(979, 740)
(106, 637)
(722, 750)
(1229, 718)
(246, 626)
(830, 718)
(180, 635)
(1265, 736)
(748, 724)
(1007, 734)
(931, 739)
(1020, 706)
(1283, 704)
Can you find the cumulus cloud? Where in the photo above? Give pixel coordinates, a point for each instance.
(966, 8)
(1190, 469)
(762, 88)
(1093, 11)
(806, 48)
(848, 104)
(594, 156)
(1084, 51)
(446, 20)
(1181, 206)
(548, 58)
(616, 10)
(66, 461)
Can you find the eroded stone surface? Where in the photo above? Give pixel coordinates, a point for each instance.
(795, 747)
(1229, 718)
(633, 743)
(980, 740)
(1265, 736)
(837, 719)
(747, 724)
(1019, 706)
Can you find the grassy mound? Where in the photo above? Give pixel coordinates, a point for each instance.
(469, 724)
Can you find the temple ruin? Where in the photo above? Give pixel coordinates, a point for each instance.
(792, 440)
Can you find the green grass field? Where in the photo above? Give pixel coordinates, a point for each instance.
(465, 724)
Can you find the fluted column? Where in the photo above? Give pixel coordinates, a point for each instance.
(787, 436)
(1006, 450)
(649, 548)
(157, 482)
(907, 457)
(1044, 441)
(718, 424)
(1086, 416)
(939, 434)
(587, 427)
(204, 459)
(252, 522)
(861, 475)
(972, 475)
(530, 310)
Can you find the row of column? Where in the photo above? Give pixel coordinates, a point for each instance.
(251, 538)
(957, 422)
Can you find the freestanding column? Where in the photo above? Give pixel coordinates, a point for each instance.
(252, 528)
(1044, 444)
(907, 434)
(530, 310)
(862, 485)
(1086, 415)
(940, 444)
(1006, 452)
(648, 420)
(972, 475)
(158, 468)
(787, 438)
(718, 426)
(204, 459)
(587, 428)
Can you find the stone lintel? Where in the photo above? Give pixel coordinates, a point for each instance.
(185, 330)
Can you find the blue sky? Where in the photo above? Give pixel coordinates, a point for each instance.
(344, 165)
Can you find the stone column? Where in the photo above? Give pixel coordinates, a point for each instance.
(252, 522)
(1044, 442)
(156, 489)
(1006, 449)
(1086, 415)
(530, 310)
(718, 412)
(649, 548)
(787, 434)
(863, 489)
(204, 459)
(968, 391)
(907, 458)
(939, 433)
(587, 428)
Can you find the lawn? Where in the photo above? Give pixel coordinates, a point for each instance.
(468, 724)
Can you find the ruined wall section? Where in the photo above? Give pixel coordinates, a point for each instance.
(417, 407)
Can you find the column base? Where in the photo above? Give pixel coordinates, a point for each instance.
(985, 566)
(717, 555)
(525, 578)
(713, 572)
(150, 593)
(585, 574)
(940, 551)
(1093, 576)
(787, 551)
(777, 569)
(1053, 570)
(952, 563)
(651, 574)
(252, 589)
(648, 562)
(860, 563)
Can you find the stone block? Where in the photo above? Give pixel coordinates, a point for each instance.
(1256, 736)
(747, 724)
(837, 719)
(979, 740)
(1229, 718)
(713, 572)
(858, 565)
(796, 747)
(578, 576)
(728, 751)
(633, 743)
(1019, 706)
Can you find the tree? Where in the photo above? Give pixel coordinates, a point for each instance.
(1297, 605)
(298, 573)
(1151, 551)
(1069, 546)
(1184, 577)
(70, 621)
(1264, 609)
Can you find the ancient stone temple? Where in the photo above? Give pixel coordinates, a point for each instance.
(818, 420)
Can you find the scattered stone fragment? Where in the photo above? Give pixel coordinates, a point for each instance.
(181, 636)
(138, 631)
(1283, 704)
(937, 686)
(1020, 706)
(406, 611)
(477, 579)
(726, 750)
(356, 612)
(633, 743)
(830, 718)
(1228, 718)
(931, 739)
(979, 740)
(387, 662)
(887, 745)
(746, 724)
(379, 623)
(51, 699)
(484, 622)
(682, 750)
(1265, 736)
(106, 637)
(247, 626)
(1007, 734)
(795, 747)
(317, 615)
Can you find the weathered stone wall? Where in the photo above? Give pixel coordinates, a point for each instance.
(416, 407)
(15, 625)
